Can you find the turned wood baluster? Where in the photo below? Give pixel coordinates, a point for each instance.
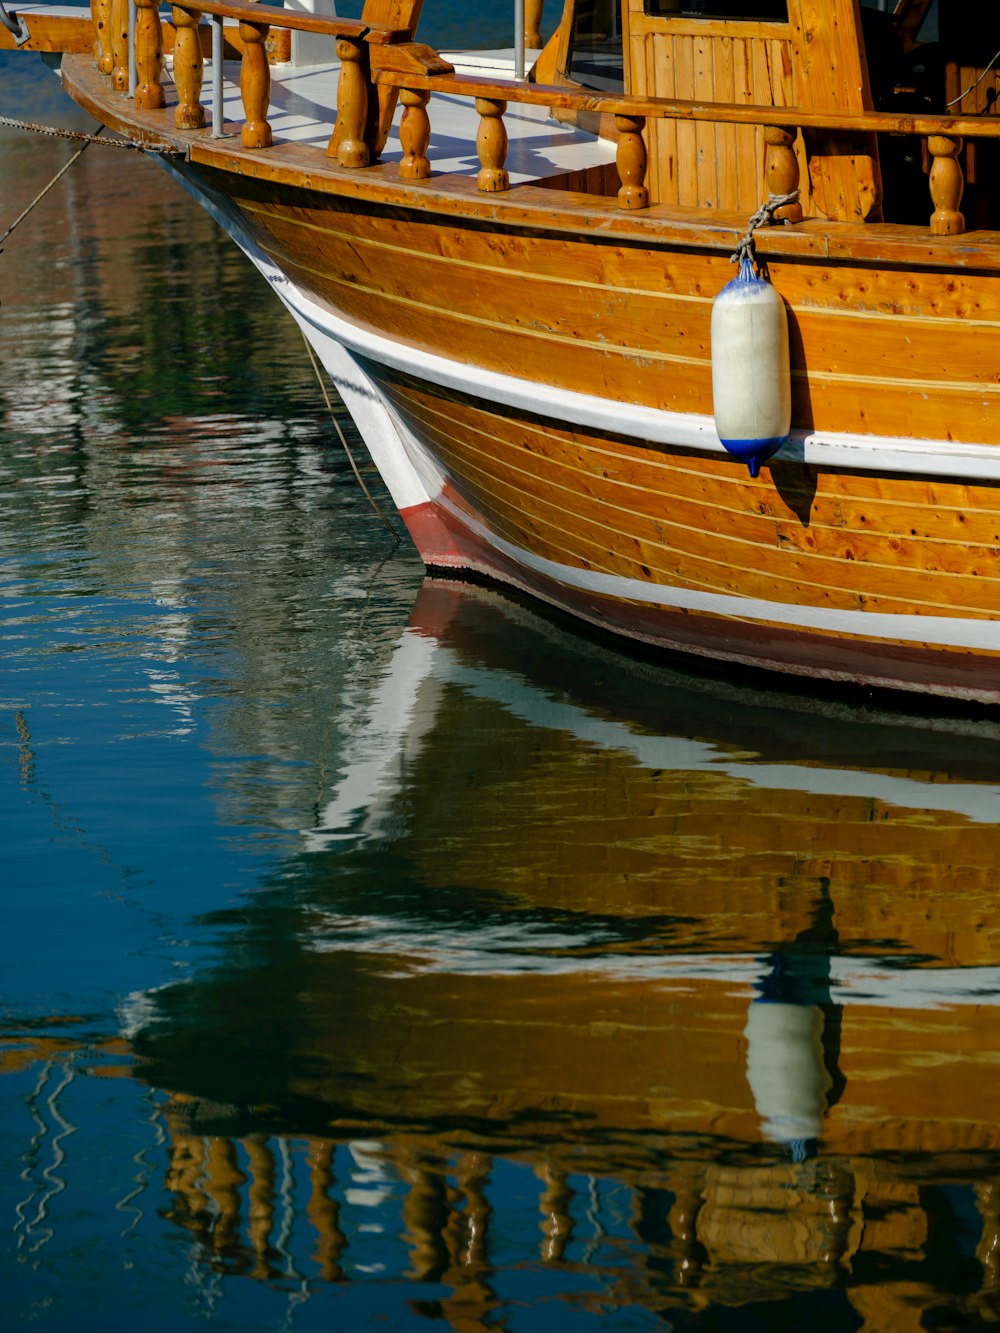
(782, 169)
(491, 143)
(100, 11)
(947, 185)
(255, 85)
(533, 23)
(189, 69)
(149, 94)
(348, 141)
(119, 45)
(414, 134)
(631, 162)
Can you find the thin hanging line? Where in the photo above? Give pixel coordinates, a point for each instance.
(42, 193)
(343, 440)
(973, 86)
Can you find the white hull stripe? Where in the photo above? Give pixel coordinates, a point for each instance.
(939, 631)
(880, 453)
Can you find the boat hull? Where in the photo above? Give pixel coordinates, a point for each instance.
(852, 558)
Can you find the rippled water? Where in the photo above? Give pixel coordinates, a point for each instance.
(381, 952)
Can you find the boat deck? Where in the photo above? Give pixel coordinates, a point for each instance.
(303, 111)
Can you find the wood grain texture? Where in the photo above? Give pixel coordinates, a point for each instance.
(189, 68)
(830, 72)
(663, 516)
(865, 341)
(703, 165)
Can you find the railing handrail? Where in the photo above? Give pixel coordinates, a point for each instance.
(622, 104)
(353, 29)
(372, 56)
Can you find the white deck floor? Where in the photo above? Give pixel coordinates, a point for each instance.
(302, 111)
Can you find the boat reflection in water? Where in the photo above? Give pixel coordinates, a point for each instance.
(596, 990)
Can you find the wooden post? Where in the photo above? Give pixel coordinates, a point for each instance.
(491, 142)
(782, 169)
(946, 185)
(533, 24)
(222, 1181)
(261, 1194)
(255, 86)
(414, 135)
(631, 162)
(119, 45)
(100, 11)
(557, 1220)
(149, 94)
(189, 69)
(324, 1211)
(348, 141)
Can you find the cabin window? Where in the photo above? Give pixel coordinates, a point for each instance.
(768, 11)
(595, 58)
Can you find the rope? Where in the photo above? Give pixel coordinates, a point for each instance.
(43, 192)
(745, 250)
(343, 440)
(972, 86)
(56, 133)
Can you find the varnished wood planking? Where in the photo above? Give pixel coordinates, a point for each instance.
(958, 522)
(860, 295)
(861, 292)
(845, 362)
(533, 497)
(872, 404)
(831, 73)
(744, 63)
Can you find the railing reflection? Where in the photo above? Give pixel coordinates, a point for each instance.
(689, 1222)
(716, 1230)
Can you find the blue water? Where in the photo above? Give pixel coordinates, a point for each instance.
(380, 952)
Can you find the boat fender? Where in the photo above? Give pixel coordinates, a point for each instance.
(751, 375)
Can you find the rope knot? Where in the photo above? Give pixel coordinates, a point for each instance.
(765, 214)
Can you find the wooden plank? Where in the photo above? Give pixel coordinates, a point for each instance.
(706, 149)
(938, 527)
(708, 28)
(687, 109)
(553, 517)
(566, 291)
(48, 32)
(831, 73)
(868, 382)
(727, 145)
(676, 496)
(687, 134)
(661, 135)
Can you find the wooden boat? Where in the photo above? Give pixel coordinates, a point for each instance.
(518, 315)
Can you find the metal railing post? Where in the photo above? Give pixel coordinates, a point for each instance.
(218, 120)
(519, 39)
(133, 77)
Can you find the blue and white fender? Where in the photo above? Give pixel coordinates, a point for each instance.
(751, 377)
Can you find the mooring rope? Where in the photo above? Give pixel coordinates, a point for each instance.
(766, 212)
(43, 192)
(343, 440)
(56, 133)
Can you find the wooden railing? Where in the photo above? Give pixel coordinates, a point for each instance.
(381, 61)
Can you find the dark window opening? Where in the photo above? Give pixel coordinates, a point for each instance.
(756, 11)
(595, 58)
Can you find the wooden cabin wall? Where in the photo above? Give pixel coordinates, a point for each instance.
(701, 165)
(815, 60)
(831, 74)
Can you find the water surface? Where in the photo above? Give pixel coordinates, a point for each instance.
(381, 952)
